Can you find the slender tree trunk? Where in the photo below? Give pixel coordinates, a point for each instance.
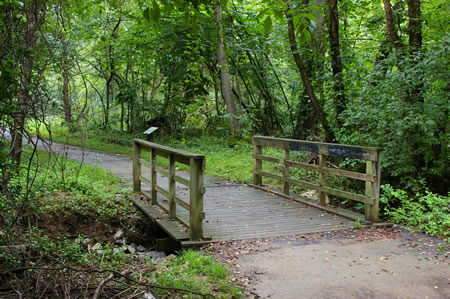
(336, 63)
(415, 46)
(227, 91)
(65, 67)
(66, 91)
(390, 27)
(318, 110)
(35, 13)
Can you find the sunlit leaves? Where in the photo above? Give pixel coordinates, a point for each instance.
(152, 14)
(267, 25)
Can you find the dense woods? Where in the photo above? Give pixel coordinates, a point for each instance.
(366, 72)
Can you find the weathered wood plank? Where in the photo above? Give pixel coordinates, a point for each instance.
(167, 149)
(286, 171)
(182, 180)
(147, 209)
(145, 181)
(340, 150)
(136, 167)
(257, 165)
(323, 198)
(145, 163)
(162, 191)
(174, 230)
(153, 176)
(196, 199)
(171, 195)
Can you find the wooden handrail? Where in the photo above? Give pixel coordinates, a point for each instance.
(372, 156)
(196, 162)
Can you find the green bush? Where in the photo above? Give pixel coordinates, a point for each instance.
(424, 212)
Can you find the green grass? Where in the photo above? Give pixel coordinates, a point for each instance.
(67, 190)
(226, 157)
(198, 272)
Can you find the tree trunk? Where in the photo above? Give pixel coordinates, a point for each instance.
(227, 91)
(390, 27)
(66, 94)
(35, 14)
(318, 110)
(336, 63)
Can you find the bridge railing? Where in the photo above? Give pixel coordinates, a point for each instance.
(371, 177)
(196, 163)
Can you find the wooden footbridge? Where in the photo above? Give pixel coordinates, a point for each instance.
(193, 213)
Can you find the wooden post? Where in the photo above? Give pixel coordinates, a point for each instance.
(257, 165)
(286, 171)
(196, 199)
(153, 177)
(136, 167)
(323, 197)
(172, 186)
(373, 189)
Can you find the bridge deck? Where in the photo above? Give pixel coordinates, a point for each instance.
(243, 212)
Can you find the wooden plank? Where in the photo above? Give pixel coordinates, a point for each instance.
(165, 207)
(182, 180)
(268, 159)
(323, 198)
(147, 209)
(329, 190)
(257, 165)
(166, 149)
(174, 230)
(372, 209)
(290, 180)
(339, 172)
(182, 203)
(136, 167)
(286, 171)
(348, 195)
(340, 150)
(162, 170)
(154, 177)
(196, 200)
(145, 181)
(172, 186)
(162, 191)
(145, 163)
(297, 164)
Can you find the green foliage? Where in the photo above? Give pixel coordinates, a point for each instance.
(197, 272)
(423, 212)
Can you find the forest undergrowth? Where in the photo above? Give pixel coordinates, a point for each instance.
(65, 243)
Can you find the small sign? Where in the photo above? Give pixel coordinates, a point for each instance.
(150, 130)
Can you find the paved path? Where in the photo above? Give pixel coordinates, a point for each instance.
(351, 267)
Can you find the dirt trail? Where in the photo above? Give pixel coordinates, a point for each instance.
(391, 267)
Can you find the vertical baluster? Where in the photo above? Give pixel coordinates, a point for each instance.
(153, 177)
(286, 171)
(136, 167)
(172, 186)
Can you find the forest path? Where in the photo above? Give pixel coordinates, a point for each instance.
(117, 164)
(383, 263)
(390, 263)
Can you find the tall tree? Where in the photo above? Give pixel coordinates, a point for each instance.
(336, 62)
(34, 12)
(227, 91)
(317, 107)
